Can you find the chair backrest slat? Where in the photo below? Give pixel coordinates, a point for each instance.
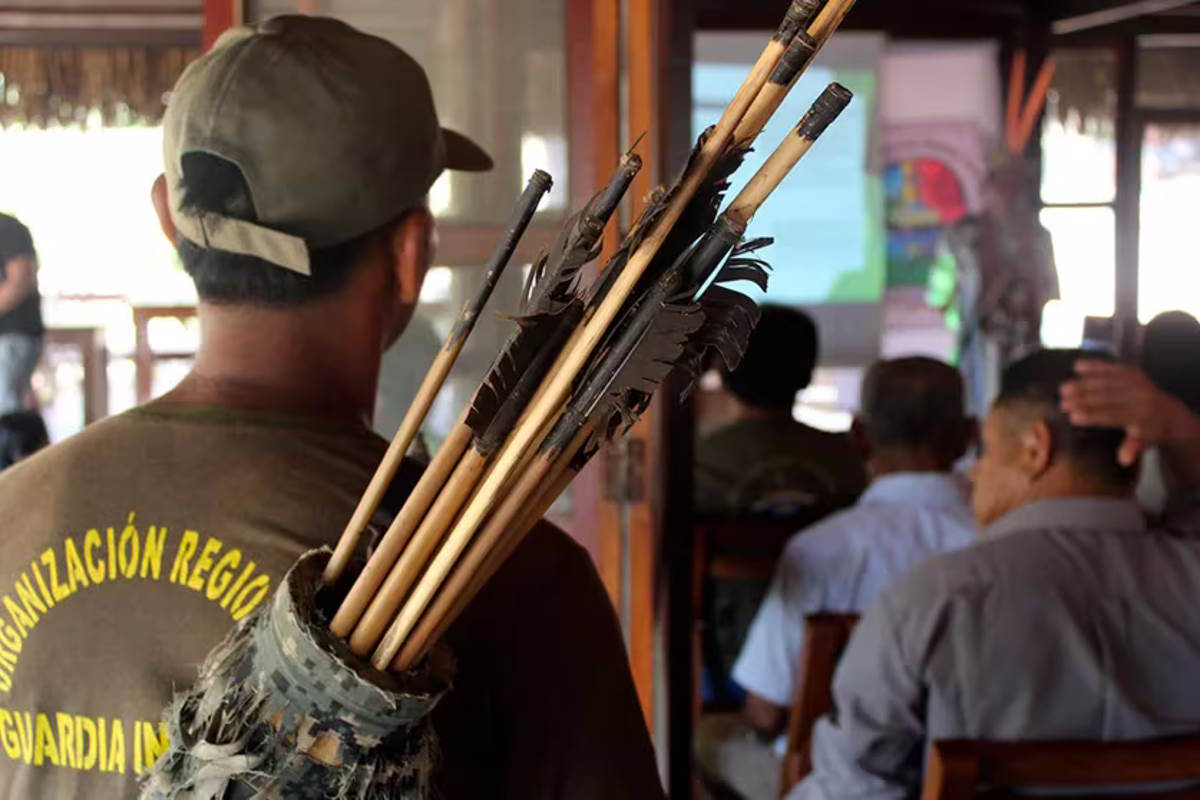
(956, 768)
(825, 637)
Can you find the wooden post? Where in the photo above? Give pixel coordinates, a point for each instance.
(220, 16)
(639, 457)
(1128, 200)
(651, 500)
(606, 147)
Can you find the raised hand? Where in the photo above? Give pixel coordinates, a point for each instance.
(1111, 395)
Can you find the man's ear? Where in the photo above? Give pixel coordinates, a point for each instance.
(1037, 449)
(158, 196)
(410, 246)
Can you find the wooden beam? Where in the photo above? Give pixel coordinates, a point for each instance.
(99, 37)
(1116, 14)
(1157, 25)
(931, 19)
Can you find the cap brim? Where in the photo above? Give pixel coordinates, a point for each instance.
(463, 154)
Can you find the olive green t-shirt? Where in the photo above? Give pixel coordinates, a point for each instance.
(777, 467)
(128, 551)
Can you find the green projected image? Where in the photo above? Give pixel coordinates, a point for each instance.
(827, 217)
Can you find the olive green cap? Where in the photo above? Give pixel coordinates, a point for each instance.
(334, 131)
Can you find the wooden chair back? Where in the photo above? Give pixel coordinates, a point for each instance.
(964, 770)
(825, 638)
(731, 547)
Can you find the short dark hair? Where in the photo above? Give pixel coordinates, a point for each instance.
(915, 403)
(1171, 356)
(779, 359)
(214, 184)
(1035, 381)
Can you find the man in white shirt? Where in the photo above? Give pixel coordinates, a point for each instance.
(1069, 620)
(912, 428)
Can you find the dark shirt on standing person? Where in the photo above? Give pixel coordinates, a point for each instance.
(26, 317)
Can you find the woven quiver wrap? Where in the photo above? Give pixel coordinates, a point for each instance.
(282, 709)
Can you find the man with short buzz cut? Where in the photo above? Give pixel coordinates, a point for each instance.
(911, 429)
(298, 155)
(1069, 620)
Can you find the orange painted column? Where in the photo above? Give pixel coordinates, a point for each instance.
(220, 16)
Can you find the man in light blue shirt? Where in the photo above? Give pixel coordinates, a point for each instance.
(1069, 620)
(912, 429)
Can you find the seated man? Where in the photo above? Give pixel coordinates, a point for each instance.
(1069, 619)
(912, 429)
(765, 462)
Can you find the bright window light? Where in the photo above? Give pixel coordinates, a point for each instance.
(436, 288)
(549, 154)
(440, 195)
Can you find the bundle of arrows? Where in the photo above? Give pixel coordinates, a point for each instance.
(583, 362)
(327, 690)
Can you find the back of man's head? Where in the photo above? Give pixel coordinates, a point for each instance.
(913, 408)
(779, 360)
(288, 148)
(1030, 387)
(211, 184)
(1171, 356)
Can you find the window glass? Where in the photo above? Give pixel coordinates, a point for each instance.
(1079, 134)
(1169, 259)
(1084, 251)
(1168, 73)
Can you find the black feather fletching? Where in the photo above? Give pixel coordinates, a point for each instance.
(656, 356)
(550, 309)
(729, 315)
(632, 241)
(694, 221)
(701, 211)
(554, 279)
(681, 337)
(660, 330)
(517, 373)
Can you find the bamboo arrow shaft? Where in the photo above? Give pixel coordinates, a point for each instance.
(377, 488)
(537, 187)
(584, 238)
(824, 111)
(424, 543)
(401, 529)
(500, 537)
(827, 107)
(767, 103)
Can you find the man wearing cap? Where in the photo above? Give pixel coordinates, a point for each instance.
(297, 158)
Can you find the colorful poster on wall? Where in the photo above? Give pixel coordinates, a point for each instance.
(933, 179)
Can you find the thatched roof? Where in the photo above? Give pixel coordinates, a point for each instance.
(1084, 91)
(64, 85)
